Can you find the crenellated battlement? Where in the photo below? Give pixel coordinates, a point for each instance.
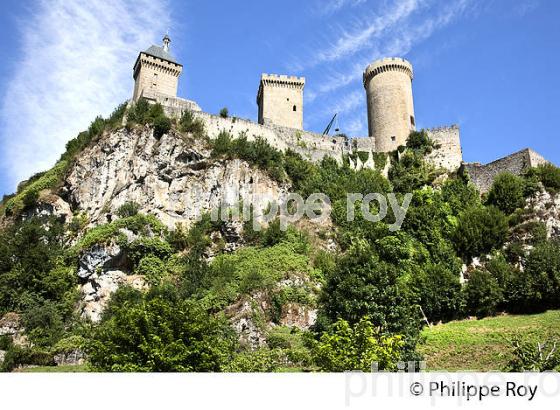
(283, 79)
(387, 64)
(390, 110)
(280, 100)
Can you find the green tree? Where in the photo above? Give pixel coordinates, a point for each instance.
(507, 193)
(543, 267)
(439, 292)
(161, 332)
(162, 125)
(479, 231)
(363, 285)
(344, 348)
(189, 123)
(482, 294)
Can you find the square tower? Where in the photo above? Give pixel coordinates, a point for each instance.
(156, 72)
(280, 100)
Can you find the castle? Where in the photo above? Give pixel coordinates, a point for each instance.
(390, 113)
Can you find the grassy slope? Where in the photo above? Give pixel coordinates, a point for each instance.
(483, 345)
(55, 369)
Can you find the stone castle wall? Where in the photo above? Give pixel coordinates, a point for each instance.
(310, 145)
(483, 175)
(280, 100)
(173, 107)
(449, 155)
(390, 105)
(153, 74)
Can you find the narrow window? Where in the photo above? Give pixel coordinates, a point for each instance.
(295, 109)
(412, 122)
(393, 138)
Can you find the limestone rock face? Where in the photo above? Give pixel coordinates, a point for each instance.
(10, 325)
(100, 257)
(546, 209)
(50, 205)
(173, 178)
(99, 287)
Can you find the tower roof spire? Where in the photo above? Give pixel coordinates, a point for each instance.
(166, 42)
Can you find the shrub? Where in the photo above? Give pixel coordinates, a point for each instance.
(420, 141)
(362, 285)
(222, 145)
(161, 332)
(178, 238)
(258, 152)
(128, 209)
(162, 125)
(530, 356)
(139, 224)
(43, 324)
(31, 269)
(507, 193)
(188, 123)
(153, 269)
(143, 247)
(138, 113)
(548, 175)
(224, 112)
(543, 267)
(439, 292)
(479, 231)
(18, 356)
(345, 348)
(411, 172)
(482, 294)
(460, 195)
(260, 360)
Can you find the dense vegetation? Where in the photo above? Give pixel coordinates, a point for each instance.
(373, 295)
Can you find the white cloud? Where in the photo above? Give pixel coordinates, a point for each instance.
(398, 41)
(331, 6)
(525, 7)
(367, 31)
(76, 63)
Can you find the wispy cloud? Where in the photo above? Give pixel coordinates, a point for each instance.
(331, 6)
(396, 41)
(350, 42)
(525, 7)
(76, 63)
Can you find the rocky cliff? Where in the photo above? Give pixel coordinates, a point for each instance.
(173, 178)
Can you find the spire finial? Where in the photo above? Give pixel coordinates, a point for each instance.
(166, 41)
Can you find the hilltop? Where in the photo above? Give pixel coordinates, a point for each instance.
(112, 257)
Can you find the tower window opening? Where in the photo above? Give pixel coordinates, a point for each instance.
(295, 108)
(412, 121)
(393, 138)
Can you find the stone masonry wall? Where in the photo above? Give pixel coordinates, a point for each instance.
(483, 175)
(390, 105)
(449, 155)
(156, 75)
(280, 100)
(310, 145)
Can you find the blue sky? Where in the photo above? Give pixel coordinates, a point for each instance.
(487, 65)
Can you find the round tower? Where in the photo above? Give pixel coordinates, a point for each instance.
(388, 84)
